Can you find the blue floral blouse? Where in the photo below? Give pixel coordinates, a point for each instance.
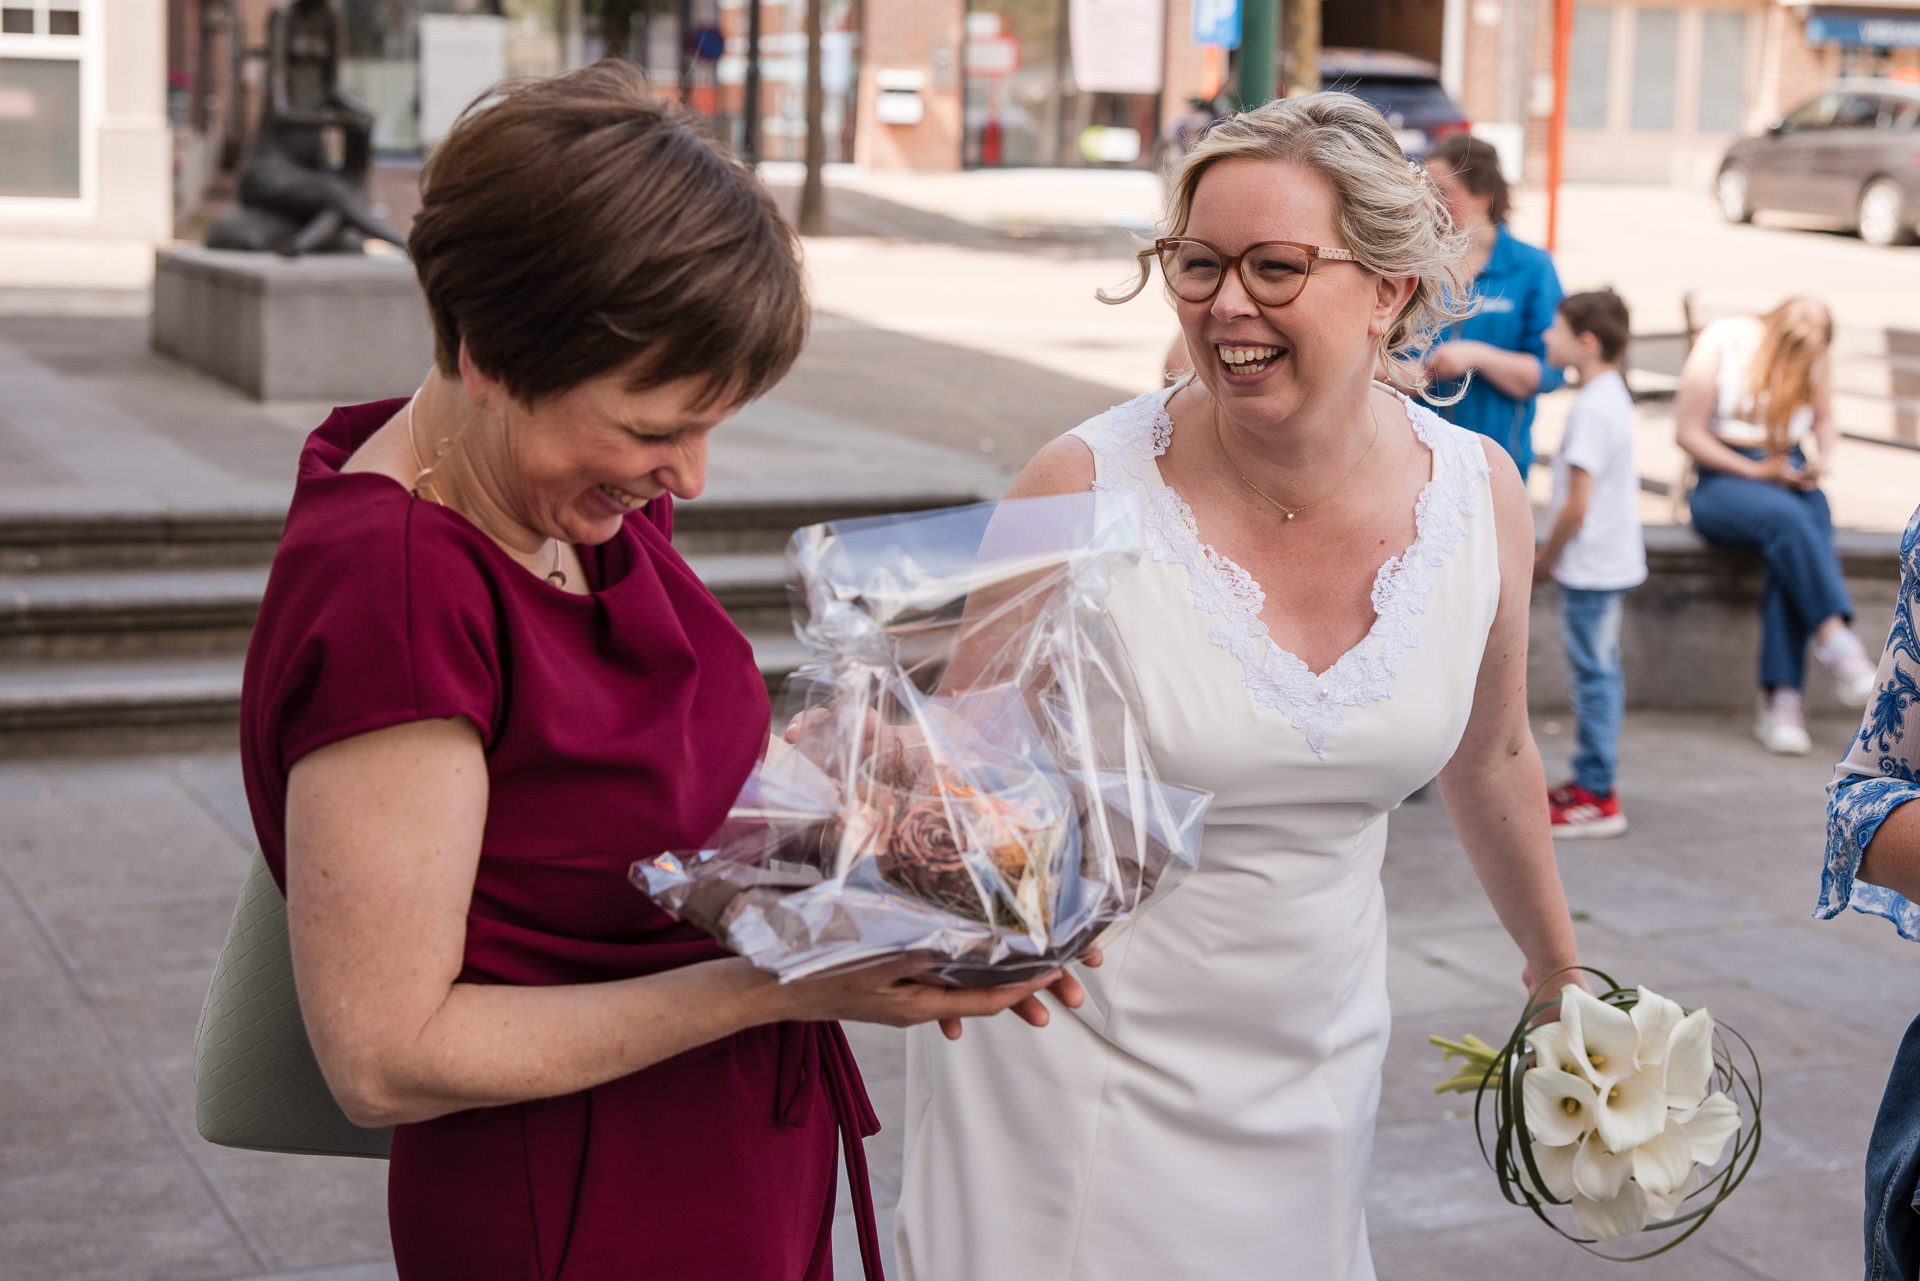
(1882, 771)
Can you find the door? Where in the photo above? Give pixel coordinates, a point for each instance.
(1841, 157)
(1779, 171)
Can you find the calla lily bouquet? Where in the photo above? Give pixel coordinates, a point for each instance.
(1622, 1108)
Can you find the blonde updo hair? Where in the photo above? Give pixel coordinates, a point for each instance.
(1387, 209)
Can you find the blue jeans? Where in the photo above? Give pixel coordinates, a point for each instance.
(1590, 626)
(1793, 532)
(1893, 1168)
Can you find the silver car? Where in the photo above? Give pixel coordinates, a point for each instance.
(1851, 154)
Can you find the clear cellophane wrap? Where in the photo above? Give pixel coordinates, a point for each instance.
(965, 776)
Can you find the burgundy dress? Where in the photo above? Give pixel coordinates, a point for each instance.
(616, 725)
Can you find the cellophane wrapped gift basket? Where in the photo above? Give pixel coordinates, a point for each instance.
(964, 776)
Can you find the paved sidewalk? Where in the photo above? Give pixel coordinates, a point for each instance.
(117, 876)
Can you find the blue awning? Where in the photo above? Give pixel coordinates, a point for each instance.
(1888, 29)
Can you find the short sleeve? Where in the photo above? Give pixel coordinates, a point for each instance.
(388, 620)
(1881, 771)
(1590, 439)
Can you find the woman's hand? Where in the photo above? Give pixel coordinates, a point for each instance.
(896, 994)
(1779, 469)
(1453, 359)
(1066, 989)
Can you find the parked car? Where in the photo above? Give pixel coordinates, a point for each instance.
(1404, 89)
(1852, 154)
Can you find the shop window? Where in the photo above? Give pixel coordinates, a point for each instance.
(40, 127)
(1590, 55)
(1723, 72)
(1656, 68)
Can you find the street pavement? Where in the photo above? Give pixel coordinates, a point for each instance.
(951, 339)
(118, 872)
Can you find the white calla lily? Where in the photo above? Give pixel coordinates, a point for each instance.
(1560, 1106)
(1689, 1066)
(1618, 1216)
(1662, 1208)
(1600, 1036)
(1662, 1163)
(1654, 1018)
(1597, 1173)
(1630, 1111)
(1556, 1170)
(1549, 1045)
(1709, 1126)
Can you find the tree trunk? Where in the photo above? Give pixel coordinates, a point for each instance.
(813, 192)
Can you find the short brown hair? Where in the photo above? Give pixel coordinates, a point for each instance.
(1475, 162)
(577, 225)
(1602, 314)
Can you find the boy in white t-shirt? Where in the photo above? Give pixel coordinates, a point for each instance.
(1594, 550)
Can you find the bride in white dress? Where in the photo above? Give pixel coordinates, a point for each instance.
(1334, 611)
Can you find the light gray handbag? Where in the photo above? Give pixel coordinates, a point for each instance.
(256, 1083)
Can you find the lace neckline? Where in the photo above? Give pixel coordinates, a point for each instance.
(1128, 440)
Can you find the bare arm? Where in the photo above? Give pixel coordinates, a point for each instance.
(383, 844)
(1515, 373)
(1692, 418)
(1566, 522)
(1826, 431)
(1495, 788)
(1892, 858)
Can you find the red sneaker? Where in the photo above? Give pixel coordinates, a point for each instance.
(1578, 813)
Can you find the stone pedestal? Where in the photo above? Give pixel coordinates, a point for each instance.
(339, 327)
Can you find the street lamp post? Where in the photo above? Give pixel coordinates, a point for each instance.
(1259, 33)
(1557, 123)
(750, 98)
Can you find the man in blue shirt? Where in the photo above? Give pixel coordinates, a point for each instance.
(1503, 344)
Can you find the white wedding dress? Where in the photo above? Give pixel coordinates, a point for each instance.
(1208, 1113)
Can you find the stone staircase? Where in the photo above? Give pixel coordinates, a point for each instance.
(112, 621)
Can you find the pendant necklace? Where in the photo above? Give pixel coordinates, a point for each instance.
(422, 487)
(1295, 511)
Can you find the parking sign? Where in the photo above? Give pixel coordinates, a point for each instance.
(1217, 23)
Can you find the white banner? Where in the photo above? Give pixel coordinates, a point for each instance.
(461, 57)
(1119, 46)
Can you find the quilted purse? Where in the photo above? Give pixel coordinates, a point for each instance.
(256, 1082)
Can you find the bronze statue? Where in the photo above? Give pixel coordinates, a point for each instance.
(303, 185)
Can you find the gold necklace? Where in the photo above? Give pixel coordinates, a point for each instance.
(1295, 511)
(422, 487)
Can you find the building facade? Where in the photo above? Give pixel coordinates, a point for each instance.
(85, 152)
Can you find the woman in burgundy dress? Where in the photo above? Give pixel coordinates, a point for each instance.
(483, 683)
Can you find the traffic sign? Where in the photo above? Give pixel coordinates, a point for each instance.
(1217, 23)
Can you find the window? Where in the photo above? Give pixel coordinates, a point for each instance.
(63, 22)
(1590, 54)
(1817, 114)
(1857, 111)
(1656, 68)
(1900, 113)
(1723, 72)
(40, 127)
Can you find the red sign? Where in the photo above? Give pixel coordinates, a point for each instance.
(992, 57)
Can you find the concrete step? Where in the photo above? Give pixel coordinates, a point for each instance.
(170, 691)
(66, 541)
(90, 694)
(97, 612)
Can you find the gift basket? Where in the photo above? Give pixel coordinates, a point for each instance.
(963, 776)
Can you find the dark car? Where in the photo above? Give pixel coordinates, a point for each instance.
(1851, 154)
(1404, 89)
